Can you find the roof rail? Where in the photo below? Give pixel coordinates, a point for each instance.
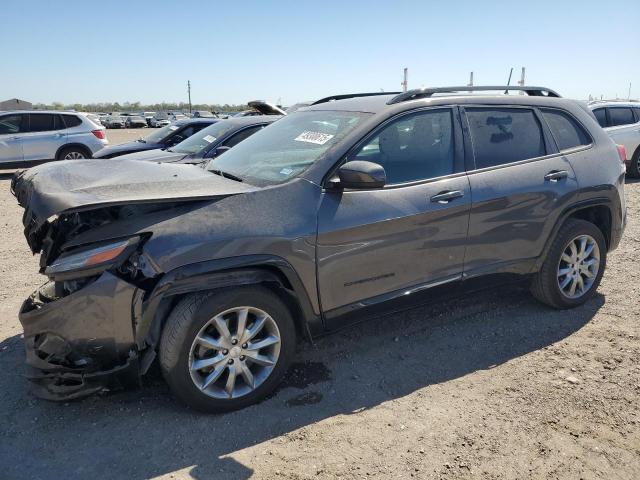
(351, 95)
(428, 92)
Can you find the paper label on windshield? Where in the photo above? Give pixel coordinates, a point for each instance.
(286, 171)
(173, 127)
(209, 138)
(314, 137)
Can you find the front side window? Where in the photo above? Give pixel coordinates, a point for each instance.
(621, 116)
(203, 139)
(601, 116)
(287, 147)
(10, 124)
(504, 135)
(418, 146)
(567, 132)
(242, 135)
(41, 122)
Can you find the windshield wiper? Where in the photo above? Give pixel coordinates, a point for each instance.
(228, 175)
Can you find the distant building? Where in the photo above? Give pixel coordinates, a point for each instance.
(15, 104)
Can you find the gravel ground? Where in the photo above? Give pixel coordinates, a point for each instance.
(493, 386)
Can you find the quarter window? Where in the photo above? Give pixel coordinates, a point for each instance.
(601, 116)
(10, 124)
(621, 116)
(504, 135)
(416, 147)
(41, 122)
(567, 132)
(71, 121)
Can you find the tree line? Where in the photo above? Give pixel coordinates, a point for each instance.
(138, 107)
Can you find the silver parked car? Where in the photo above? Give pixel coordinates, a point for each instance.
(28, 137)
(160, 119)
(621, 120)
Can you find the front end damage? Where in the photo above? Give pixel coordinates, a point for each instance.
(89, 221)
(83, 342)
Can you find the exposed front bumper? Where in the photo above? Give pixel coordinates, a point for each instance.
(82, 343)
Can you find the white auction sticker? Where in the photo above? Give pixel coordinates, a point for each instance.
(173, 127)
(314, 137)
(286, 171)
(209, 138)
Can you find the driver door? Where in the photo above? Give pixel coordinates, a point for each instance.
(380, 243)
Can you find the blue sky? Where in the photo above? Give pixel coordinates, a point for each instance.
(82, 51)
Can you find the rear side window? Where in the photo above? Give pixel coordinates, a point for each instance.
(567, 132)
(621, 116)
(41, 122)
(71, 121)
(504, 135)
(10, 124)
(601, 116)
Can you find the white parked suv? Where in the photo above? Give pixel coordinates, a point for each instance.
(621, 120)
(30, 137)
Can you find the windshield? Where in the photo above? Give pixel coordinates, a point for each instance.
(287, 147)
(135, 117)
(205, 114)
(161, 116)
(159, 135)
(202, 139)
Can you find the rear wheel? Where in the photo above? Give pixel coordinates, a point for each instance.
(227, 349)
(574, 266)
(73, 153)
(634, 167)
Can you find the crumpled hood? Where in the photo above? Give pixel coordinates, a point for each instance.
(157, 155)
(75, 185)
(125, 147)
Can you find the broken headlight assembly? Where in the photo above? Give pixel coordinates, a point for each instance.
(91, 260)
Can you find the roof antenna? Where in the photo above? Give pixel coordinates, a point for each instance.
(508, 81)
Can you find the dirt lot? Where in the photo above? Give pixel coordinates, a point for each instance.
(493, 386)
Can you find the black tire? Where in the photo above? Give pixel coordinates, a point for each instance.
(187, 319)
(634, 167)
(74, 150)
(544, 286)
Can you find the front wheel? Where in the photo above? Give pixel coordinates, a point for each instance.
(227, 349)
(634, 166)
(574, 266)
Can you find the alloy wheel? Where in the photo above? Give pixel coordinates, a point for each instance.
(578, 266)
(74, 156)
(234, 352)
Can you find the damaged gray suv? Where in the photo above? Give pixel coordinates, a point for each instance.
(321, 219)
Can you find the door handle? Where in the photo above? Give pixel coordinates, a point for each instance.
(555, 175)
(447, 196)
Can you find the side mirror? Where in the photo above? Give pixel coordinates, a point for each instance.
(361, 175)
(220, 150)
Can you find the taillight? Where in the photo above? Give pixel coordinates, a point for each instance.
(623, 154)
(100, 134)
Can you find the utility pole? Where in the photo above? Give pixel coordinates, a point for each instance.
(406, 79)
(470, 80)
(189, 92)
(629, 95)
(521, 81)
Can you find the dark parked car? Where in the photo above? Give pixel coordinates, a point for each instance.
(208, 142)
(135, 121)
(163, 138)
(323, 218)
(114, 121)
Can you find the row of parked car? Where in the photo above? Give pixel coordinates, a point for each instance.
(295, 225)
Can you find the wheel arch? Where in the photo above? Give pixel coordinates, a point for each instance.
(275, 273)
(74, 144)
(597, 211)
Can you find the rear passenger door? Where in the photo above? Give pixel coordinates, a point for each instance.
(520, 183)
(11, 128)
(44, 137)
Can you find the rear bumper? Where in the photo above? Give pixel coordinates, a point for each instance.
(82, 343)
